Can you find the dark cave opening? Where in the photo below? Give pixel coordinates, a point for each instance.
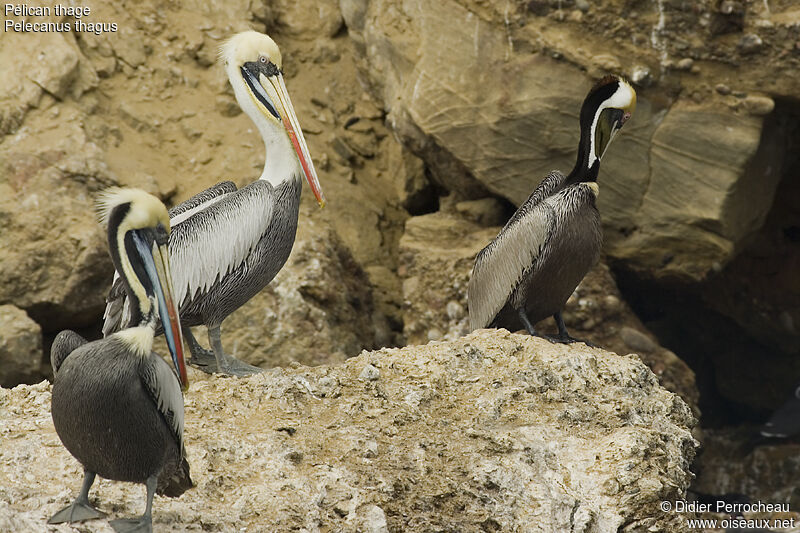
(738, 330)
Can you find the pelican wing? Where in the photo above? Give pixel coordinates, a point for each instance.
(546, 188)
(500, 266)
(160, 382)
(212, 233)
(201, 198)
(217, 238)
(64, 344)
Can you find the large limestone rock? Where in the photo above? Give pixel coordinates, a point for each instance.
(20, 346)
(54, 260)
(492, 103)
(494, 431)
(437, 252)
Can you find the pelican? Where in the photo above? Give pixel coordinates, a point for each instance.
(534, 264)
(228, 244)
(785, 421)
(116, 405)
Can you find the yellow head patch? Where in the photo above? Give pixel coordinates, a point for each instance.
(250, 46)
(146, 210)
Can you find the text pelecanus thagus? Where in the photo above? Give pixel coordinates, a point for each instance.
(116, 405)
(228, 244)
(530, 269)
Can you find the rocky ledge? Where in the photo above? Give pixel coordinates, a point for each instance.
(491, 432)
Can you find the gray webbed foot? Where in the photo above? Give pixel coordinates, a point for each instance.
(79, 510)
(132, 525)
(234, 367)
(227, 364)
(76, 512)
(201, 358)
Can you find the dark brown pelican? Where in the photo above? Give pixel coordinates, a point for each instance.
(116, 405)
(530, 269)
(228, 244)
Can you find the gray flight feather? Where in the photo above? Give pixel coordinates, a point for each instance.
(538, 258)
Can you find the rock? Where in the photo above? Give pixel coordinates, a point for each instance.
(486, 211)
(711, 207)
(55, 262)
(759, 289)
(20, 347)
(493, 430)
(758, 105)
(722, 89)
(767, 472)
(597, 312)
(437, 252)
(309, 19)
(636, 340)
(750, 43)
(515, 120)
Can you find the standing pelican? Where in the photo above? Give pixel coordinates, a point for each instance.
(228, 244)
(116, 405)
(530, 269)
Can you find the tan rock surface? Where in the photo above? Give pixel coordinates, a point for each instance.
(495, 431)
(494, 102)
(20, 346)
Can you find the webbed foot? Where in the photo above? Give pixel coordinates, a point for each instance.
(132, 525)
(77, 511)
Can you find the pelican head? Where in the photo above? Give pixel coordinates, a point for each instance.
(138, 232)
(254, 66)
(609, 104)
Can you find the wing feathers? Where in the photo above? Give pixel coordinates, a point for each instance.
(218, 238)
(500, 266)
(212, 233)
(220, 189)
(162, 385)
(64, 344)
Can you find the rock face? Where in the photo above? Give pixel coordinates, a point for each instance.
(495, 431)
(437, 252)
(492, 103)
(20, 346)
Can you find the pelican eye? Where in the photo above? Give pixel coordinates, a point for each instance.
(262, 59)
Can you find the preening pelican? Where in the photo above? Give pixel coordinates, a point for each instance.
(530, 269)
(228, 244)
(116, 405)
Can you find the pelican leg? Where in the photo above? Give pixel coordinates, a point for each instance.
(80, 509)
(563, 336)
(143, 524)
(227, 364)
(201, 358)
(523, 316)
